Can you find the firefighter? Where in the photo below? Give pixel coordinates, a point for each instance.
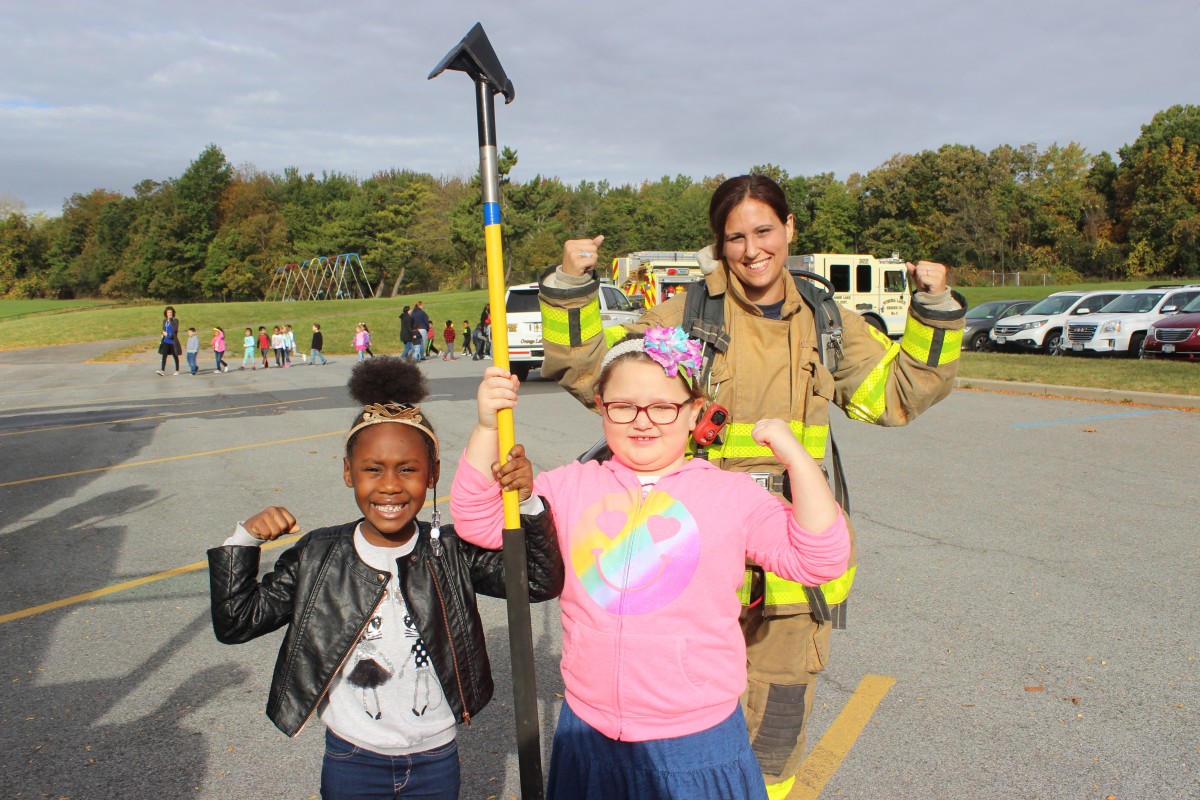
(770, 369)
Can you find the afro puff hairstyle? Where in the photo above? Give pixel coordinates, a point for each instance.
(384, 380)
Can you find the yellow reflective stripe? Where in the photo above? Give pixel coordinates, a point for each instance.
(838, 589)
(932, 346)
(951, 347)
(744, 592)
(782, 592)
(879, 335)
(614, 334)
(813, 437)
(736, 441)
(870, 399)
(590, 323)
(556, 325)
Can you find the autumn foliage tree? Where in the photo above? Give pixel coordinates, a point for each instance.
(219, 232)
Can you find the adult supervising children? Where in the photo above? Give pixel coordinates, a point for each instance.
(420, 324)
(169, 344)
(406, 332)
(770, 368)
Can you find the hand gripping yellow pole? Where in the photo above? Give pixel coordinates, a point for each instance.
(474, 55)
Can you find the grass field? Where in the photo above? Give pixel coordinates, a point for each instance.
(337, 319)
(14, 309)
(32, 323)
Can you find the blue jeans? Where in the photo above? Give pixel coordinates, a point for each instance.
(312, 359)
(353, 773)
(192, 362)
(408, 350)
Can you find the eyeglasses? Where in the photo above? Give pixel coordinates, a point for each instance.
(658, 413)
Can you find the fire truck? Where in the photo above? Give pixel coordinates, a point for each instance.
(655, 275)
(876, 288)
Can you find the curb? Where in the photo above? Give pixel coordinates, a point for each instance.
(1120, 396)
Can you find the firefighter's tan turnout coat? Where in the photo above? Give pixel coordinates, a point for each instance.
(778, 374)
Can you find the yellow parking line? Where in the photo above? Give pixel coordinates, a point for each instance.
(120, 587)
(172, 458)
(132, 584)
(60, 388)
(94, 400)
(159, 416)
(827, 756)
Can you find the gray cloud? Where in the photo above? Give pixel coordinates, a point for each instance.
(106, 95)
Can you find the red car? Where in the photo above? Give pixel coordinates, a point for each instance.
(1177, 336)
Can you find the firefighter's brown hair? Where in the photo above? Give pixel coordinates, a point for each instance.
(730, 194)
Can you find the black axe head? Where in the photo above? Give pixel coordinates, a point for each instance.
(474, 55)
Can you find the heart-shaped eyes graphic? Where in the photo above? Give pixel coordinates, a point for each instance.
(610, 523)
(662, 528)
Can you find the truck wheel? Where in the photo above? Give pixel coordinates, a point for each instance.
(521, 371)
(980, 343)
(1054, 343)
(1135, 345)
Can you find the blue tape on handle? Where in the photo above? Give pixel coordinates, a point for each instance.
(491, 213)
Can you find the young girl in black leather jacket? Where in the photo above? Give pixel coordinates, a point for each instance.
(384, 640)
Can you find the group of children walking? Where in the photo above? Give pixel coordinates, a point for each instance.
(647, 551)
(281, 343)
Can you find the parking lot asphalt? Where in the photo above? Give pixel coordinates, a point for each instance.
(1028, 568)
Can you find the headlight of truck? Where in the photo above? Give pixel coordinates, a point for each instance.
(1150, 335)
(1112, 326)
(1031, 325)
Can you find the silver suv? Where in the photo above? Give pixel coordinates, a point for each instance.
(1043, 326)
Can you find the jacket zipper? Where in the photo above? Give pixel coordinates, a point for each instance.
(362, 627)
(637, 511)
(466, 715)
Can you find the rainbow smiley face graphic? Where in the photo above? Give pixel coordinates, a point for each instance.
(635, 558)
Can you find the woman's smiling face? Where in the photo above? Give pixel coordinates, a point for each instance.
(389, 471)
(755, 247)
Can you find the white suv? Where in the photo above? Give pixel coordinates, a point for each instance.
(1043, 326)
(1120, 327)
(525, 349)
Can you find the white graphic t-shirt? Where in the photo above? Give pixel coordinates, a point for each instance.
(386, 697)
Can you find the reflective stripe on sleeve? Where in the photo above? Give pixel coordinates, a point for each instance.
(782, 592)
(736, 441)
(571, 327)
(614, 334)
(556, 325)
(931, 346)
(590, 323)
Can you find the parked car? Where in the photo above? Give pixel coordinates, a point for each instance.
(1043, 326)
(524, 314)
(1176, 336)
(982, 317)
(1120, 327)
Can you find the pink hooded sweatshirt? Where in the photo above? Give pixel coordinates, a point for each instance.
(652, 648)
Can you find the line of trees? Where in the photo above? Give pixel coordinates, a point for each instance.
(219, 232)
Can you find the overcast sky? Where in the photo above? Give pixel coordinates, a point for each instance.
(106, 94)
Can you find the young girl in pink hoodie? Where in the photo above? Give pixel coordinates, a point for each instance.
(654, 661)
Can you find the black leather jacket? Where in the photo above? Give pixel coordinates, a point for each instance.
(325, 594)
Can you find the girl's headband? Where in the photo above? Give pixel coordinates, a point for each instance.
(669, 347)
(395, 412)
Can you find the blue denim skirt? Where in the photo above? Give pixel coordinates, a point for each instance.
(715, 763)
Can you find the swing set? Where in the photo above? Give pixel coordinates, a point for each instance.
(322, 278)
